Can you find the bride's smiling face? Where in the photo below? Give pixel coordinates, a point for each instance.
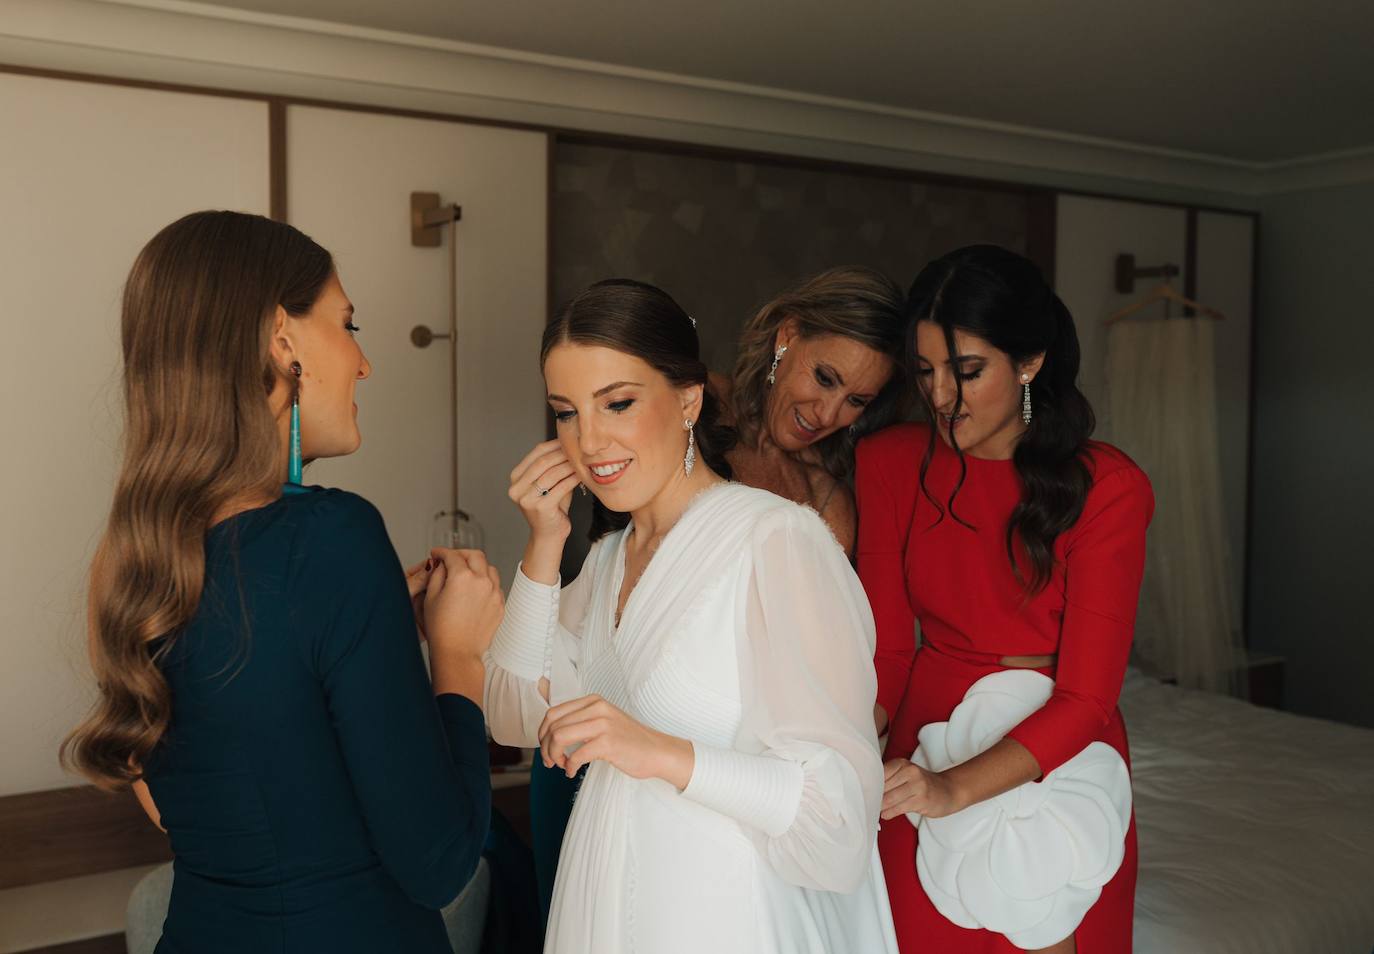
(620, 422)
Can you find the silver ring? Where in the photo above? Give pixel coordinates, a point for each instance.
(542, 491)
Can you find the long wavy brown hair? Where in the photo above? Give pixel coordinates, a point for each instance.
(856, 303)
(198, 311)
(1003, 298)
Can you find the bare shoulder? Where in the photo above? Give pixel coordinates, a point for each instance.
(835, 526)
(841, 516)
(834, 501)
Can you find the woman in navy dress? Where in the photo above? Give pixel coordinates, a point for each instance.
(261, 684)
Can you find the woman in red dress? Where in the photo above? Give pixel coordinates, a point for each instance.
(1017, 543)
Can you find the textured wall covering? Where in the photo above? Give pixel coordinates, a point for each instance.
(724, 236)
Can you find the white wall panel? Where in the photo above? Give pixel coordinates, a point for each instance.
(1090, 234)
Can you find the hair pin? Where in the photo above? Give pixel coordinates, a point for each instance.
(692, 320)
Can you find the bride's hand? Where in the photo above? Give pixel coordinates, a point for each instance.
(541, 486)
(604, 732)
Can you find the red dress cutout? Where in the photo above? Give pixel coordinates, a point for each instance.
(960, 585)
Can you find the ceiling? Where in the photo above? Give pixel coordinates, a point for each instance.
(1254, 80)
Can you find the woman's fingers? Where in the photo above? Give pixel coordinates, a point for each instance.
(573, 730)
(572, 712)
(906, 790)
(561, 493)
(539, 450)
(437, 578)
(545, 480)
(558, 712)
(892, 766)
(896, 796)
(539, 473)
(457, 562)
(586, 753)
(417, 578)
(417, 582)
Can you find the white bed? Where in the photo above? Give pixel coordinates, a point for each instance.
(1256, 827)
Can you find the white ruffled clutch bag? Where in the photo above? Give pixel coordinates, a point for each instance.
(1029, 863)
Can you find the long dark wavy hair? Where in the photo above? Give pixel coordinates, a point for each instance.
(199, 433)
(848, 302)
(638, 319)
(1003, 298)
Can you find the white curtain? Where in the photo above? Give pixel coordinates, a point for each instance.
(1161, 391)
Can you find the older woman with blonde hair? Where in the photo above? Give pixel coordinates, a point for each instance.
(819, 367)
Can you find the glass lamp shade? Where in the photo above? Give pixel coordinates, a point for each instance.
(456, 530)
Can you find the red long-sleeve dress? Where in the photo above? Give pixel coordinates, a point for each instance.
(959, 583)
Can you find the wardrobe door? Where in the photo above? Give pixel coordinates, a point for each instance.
(350, 176)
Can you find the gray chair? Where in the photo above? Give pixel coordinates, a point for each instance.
(147, 910)
(465, 917)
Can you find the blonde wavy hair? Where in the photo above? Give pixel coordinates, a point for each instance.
(197, 318)
(851, 302)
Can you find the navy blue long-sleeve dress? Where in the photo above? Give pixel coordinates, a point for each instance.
(317, 795)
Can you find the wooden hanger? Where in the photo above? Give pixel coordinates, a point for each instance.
(1163, 292)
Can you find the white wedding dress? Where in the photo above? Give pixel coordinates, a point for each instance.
(749, 635)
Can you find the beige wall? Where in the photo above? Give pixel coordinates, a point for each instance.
(90, 173)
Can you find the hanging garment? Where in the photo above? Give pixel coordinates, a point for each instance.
(1161, 386)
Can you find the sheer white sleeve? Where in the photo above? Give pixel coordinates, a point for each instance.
(805, 776)
(539, 637)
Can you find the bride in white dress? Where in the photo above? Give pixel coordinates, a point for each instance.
(712, 662)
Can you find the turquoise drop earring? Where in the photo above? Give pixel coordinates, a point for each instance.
(293, 467)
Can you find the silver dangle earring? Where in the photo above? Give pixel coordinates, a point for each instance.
(773, 371)
(1025, 399)
(690, 459)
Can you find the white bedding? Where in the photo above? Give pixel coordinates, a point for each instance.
(1256, 827)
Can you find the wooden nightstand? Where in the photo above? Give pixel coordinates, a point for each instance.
(1262, 675)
